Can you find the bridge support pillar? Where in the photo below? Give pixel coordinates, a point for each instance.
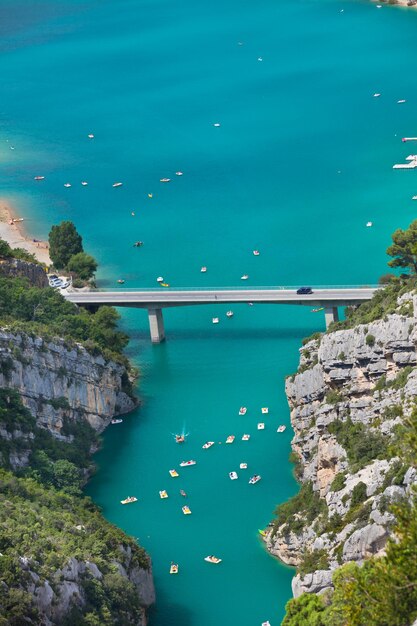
(156, 325)
(331, 314)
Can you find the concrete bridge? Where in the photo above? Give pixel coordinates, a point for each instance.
(154, 300)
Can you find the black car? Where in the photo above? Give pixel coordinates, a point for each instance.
(303, 291)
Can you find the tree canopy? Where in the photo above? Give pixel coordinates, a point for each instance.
(83, 264)
(64, 242)
(404, 248)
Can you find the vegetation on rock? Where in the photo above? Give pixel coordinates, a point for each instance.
(44, 312)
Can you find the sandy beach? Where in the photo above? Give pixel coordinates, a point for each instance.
(16, 236)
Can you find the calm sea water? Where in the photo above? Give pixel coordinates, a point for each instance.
(301, 161)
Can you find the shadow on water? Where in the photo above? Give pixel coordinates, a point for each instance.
(173, 614)
(256, 334)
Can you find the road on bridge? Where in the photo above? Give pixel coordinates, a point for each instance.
(159, 298)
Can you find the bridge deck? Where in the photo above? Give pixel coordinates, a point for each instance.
(159, 298)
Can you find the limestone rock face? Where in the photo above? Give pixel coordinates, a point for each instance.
(57, 381)
(365, 542)
(15, 268)
(317, 582)
(348, 377)
(54, 598)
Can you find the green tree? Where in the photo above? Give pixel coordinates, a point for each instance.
(5, 249)
(64, 242)
(307, 609)
(404, 248)
(82, 264)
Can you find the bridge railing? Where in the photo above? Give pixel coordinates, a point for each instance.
(233, 288)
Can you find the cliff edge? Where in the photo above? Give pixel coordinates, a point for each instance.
(349, 399)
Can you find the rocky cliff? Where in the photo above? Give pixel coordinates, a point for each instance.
(14, 268)
(59, 382)
(348, 400)
(65, 390)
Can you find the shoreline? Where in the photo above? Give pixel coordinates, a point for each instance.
(397, 3)
(16, 235)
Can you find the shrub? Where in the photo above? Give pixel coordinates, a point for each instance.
(358, 495)
(338, 482)
(313, 560)
(333, 397)
(306, 505)
(370, 340)
(361, 444)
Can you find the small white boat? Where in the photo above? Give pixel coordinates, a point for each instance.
(160, 279)
(229, 314)
(261, 426)
(233, 476)
(242, 410)
(230, 439)
(174, 568)
(178, 173)
(129, 500)
(39, 178)
(215, 320)
(116, 421)
(84, 183)
(216, 124)
(266, 623)
(245, 437)
(212, 559)
(255, 479)
(67, 184)
(401, 101)
(256, 252)
(376, 95)
(244, 277)
(164, 180)
(163, 494)
(243, 466)
(185, 463)
(281, 428)
(260, 59)
(203, 269)
(117, 184)
(369, 224)
(173, 473)
(265, 410)
(414, 198)
(91, 136)
(208, 444)
(186, 510)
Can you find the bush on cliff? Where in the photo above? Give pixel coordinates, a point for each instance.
(302, 509)
(361, 444)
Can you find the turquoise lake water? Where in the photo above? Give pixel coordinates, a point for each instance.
(302, 160)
